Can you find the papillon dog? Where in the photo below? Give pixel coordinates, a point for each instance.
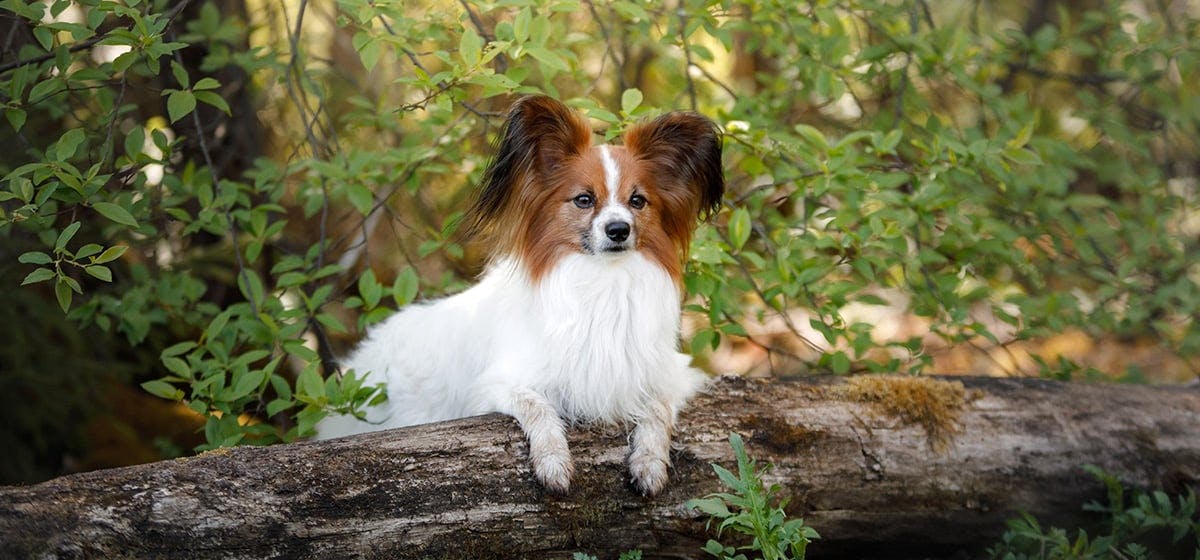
(576, 317)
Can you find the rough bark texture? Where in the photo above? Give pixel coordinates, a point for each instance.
(868, 479)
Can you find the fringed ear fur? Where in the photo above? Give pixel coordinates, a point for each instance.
(539, 134)
(685, 150)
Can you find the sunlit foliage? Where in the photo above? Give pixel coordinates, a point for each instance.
(239, 187)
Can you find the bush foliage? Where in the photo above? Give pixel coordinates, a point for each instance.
(238, 187)
(1137, 526)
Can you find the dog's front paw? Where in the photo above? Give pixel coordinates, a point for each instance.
(554, 469)
(649, 473)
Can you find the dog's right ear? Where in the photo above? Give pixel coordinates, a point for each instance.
(539, 135)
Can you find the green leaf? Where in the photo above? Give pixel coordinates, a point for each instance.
(602, 115)
(16, 118)
(206, 83)
(62, 291)
(110, 254)
(470, 46)
(217, 325)
(1021, 156)
(99, 271)
(65, 237)
(44, 36)
(278, 405)
(539, 30)
(549, 58)
(630, 100)
(177, 349)
(124, 61)
(839, 362)
(180, 74)
(404, 289)
(179, 104)
(1022, 137)
(361, 197)
(521, 25)
(213, 99)
(739, 228)
(45, 89)
(34, 257)
(813, 136)
(369, 49)
(703, 341)
(135, 141)
(251, 286)
(160, 388)
(889, 142)
(309, 383)
(246, 383)
(69, 143)
(370, 289)
(38, 275)
(115, 213)
(177, 366)
(728, 478)
(88, 250)
(714, 507)
(291, 279)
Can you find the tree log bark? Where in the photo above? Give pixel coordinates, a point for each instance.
(872, 482)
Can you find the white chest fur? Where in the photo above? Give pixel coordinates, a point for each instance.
(606, 330)
(596, 337)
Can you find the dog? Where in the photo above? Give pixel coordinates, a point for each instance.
(576, 317)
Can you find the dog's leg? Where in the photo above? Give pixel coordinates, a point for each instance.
(650, 449)
(547, 436)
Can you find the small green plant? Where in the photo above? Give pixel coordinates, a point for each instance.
(748, 510)
(1129, 524)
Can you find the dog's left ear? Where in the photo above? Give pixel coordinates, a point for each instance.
(684, 149)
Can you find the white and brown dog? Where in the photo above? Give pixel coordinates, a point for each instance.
(576, 318)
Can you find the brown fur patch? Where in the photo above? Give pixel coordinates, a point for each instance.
(544, 160)
(553, 225)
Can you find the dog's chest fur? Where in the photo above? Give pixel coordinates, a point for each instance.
(609, 330)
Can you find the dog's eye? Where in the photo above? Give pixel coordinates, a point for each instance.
(637, 201)
(584, 200)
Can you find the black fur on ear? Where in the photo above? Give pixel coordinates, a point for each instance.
(685, 146)
(539, 133)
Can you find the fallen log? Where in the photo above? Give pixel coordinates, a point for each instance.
(882, 467)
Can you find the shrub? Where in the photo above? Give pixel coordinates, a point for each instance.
(1131, 524)
(238, 188)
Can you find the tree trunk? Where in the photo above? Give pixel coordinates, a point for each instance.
(933, 473)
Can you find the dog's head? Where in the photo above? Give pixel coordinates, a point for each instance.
(549, 192)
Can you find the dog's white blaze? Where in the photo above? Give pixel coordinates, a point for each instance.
(614, 210)
(612, 174)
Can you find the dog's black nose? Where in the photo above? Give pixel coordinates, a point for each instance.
(617, 231)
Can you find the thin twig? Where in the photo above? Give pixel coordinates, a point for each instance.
(12, 33)
(717, 81)
(108, 147)
(687, 54)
